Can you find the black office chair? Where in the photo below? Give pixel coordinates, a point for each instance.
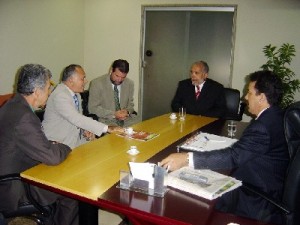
(30, 209)
(292, 127)
(85, 101)
(234, 106)
(290, 204)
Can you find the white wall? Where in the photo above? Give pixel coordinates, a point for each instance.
(95, 32)
(39, 31)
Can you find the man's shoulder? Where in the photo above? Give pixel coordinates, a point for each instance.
(100, 79)
(185, 82)
(128, 81)
(213, 83)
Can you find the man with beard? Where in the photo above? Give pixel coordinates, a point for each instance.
(199, 94)
(111, 96)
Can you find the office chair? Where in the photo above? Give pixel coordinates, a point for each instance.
(85, 101)
(290, 204)
(234, 106)
(292, 127)
(31, 209)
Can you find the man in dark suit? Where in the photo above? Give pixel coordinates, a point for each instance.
(260, 158)
(200, 95)
(23, 144)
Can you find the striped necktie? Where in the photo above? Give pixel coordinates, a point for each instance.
(117, 104)
(75, 97)
(197, 93)
(76, 101)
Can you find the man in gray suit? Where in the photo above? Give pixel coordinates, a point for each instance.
(111, 96)
(23, 144)
(63, 120)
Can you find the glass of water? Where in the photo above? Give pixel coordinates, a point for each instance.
(231, 127)
(182, 113)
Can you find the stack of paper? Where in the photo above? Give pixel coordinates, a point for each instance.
(206, 142)
(204, 183)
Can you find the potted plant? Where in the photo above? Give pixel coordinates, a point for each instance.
(278, 60)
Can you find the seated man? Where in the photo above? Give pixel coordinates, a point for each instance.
(260, 158)
(23, 144)
(111, 96)
(63, 120)
(200, 95)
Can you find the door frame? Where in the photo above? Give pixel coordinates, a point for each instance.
(194, 7)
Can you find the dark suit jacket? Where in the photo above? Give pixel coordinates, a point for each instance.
(22, 146)
(259, 158)
(210, 103)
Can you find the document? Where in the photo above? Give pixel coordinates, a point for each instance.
(204, 183)
(206, 142)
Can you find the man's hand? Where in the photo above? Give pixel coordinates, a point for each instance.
(115, 129)
(175, 161)
(121, 114)
(89, 136)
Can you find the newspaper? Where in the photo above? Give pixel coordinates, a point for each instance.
(206, 142)
(204, 183)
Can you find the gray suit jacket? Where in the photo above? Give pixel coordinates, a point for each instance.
(22, 146)
(101, 99)
(62, 121)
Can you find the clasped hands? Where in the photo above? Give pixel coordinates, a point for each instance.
(122, 114)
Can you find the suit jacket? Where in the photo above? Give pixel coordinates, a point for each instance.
(101, 99)
(63, 122)
(211, 101)
(23, 145)
(259, 158)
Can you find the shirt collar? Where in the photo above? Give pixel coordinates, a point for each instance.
(71, 92)
(261, 112)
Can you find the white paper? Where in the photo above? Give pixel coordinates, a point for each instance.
(207, 142)
(143, 171)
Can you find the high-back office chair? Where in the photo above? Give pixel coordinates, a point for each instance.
(234, 106)
(30, 209)
(292, 127)
(290, 204)
(5, 98)
(85, 100)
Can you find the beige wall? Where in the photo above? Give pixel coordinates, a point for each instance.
(39, 31)
(113, 30)
(95, 32)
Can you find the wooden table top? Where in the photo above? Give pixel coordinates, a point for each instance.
(92, 168)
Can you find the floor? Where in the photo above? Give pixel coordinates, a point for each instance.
(107, 218)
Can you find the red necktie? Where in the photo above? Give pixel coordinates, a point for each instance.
(197, 94)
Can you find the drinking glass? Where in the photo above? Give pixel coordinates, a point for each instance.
(182, 113)
(231, 127)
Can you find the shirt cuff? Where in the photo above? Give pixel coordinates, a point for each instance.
(105, 129)
(191, 159)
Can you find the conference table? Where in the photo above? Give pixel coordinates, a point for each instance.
(91, 174)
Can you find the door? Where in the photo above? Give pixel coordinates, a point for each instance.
(172, 41)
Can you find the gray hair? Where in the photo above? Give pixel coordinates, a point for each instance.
(204, 64)
(32, 76)
(69, 71)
